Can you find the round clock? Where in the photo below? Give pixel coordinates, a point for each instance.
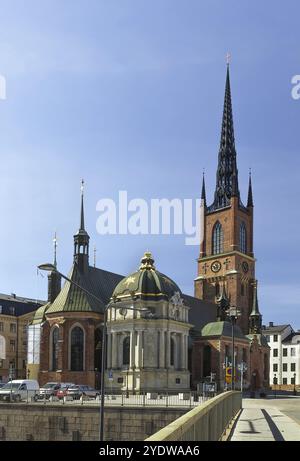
(245, 266)
(216, 266)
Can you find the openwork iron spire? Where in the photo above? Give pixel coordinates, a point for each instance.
(250, 196)
(82, 207)
(227, 172)
(255, 316)
(203, 193)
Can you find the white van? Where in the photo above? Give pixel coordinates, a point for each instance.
(19, 389)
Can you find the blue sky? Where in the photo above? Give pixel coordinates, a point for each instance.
(128, 94)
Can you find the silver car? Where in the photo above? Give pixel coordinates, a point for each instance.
(82, 390)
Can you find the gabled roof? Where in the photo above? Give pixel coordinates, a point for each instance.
(99, 282)
(275, 329)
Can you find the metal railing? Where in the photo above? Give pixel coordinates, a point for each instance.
(185, 399)
(206, 422)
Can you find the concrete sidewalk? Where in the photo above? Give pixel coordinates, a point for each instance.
(262, 421)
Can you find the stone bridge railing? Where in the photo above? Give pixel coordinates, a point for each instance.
(208, 421)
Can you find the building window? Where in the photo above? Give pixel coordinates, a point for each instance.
(275, 367)
(275, 352)
(284, 381)
(98, 349)
(77, 346)
(217, 239)
(293, 351)
(275, 338)
(126, 351)
(217, 286)
(293, 367)
(13, 345)
(293, 381)
(206, 361)
(1, 326)
(268, 338)
(2, 347)
(242, 289)
(284, 367)
(177, 380)
(1, 309)
(12, 310)
(284, 352)
(54, 349)
(243, 238)
(13, 328)
(120, 380)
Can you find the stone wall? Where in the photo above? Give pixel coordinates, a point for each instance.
(58, 422)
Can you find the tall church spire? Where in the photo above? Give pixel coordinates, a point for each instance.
(203, 193)
(255, 316)
(250, 196)
(227, 172)
(81, 239)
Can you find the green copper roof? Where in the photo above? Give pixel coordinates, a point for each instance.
(147, 283)
(221, 329)
(97, 281)
(39, 315)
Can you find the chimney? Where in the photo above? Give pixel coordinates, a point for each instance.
(271, 324)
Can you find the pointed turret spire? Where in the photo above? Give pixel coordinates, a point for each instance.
(81, 239)
(227, 172)
(203, 193)
(55, 249)
(54, 278)
(250, 196)
(82, 207)
(223, 303)
(255, 316)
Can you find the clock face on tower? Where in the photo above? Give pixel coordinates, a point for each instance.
(216, 266)
(245, 266)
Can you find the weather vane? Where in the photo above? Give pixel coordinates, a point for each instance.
(55, 248)
(82, 186)
(228, 58)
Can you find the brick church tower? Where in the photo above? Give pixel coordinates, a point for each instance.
(226, 257)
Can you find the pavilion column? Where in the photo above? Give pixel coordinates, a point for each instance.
(168, 349)
(114, 350)
(132, 349)
(139, 355)
(182, 351)
(162, 352)
(109, 351)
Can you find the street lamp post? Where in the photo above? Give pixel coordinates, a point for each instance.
(233, 313)
(295, 392)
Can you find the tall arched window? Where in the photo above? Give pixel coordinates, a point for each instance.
(206, 361)
(217, 239)
(172, 352)
(77, 348)
(98, 349)
(126, 351)
(54, 349)
(243, 238)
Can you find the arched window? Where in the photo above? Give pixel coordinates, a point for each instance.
(217, 239)
(98, 349)
(206, 361)
(243, 238)
(126, 351)
(77, 347)
(54, 349)
(242, 289)
(217, 290)
(172, 352)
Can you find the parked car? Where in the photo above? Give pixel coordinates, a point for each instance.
(62, 392)
(1, 385)
(19, 389)
(48, 390)
(82, 390)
